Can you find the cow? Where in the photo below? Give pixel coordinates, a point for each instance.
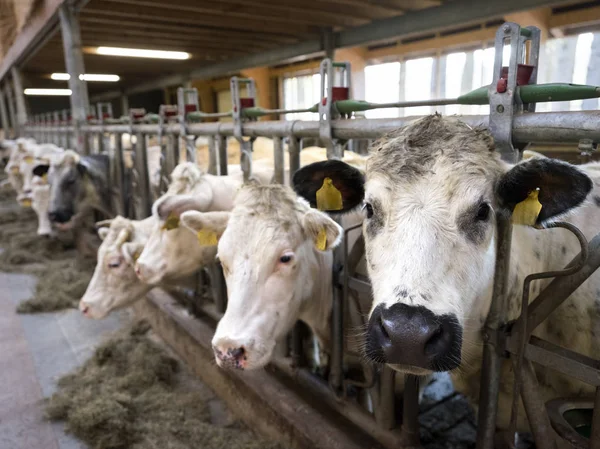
(431, 195)
(35, 163)
(79, 185)
(176, 252)
(276, 254)
(21, 150)
(114, 283)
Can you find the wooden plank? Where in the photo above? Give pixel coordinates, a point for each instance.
(258, 398)
(44, 22)
(578, 17)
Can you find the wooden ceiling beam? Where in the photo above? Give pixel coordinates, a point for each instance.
(266, 16)
(206, 20)
(183, 30)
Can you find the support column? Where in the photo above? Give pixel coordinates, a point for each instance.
(328, 43)
(4, 116)
(11, 109)
(71, 37)
(124, 105)
(19, 100)
(262, 78)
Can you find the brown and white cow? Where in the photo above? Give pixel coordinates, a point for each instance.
(431, 193)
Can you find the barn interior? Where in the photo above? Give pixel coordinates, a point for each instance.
(64, 64)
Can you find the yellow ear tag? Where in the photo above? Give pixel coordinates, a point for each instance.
(528, 210)
(29, 159)
(136, 256)
(328, 197)
(207, 237)
(172, 222)
(45, 177)
(26, 203)
(321, 242)
(14, 169)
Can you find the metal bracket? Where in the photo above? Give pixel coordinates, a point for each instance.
(187, 101)
(238, 105)
(329, 94)
(503, 96)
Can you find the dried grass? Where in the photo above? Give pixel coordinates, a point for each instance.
(130, 395)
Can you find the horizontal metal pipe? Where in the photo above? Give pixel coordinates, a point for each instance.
(320, 389)
(556, 127)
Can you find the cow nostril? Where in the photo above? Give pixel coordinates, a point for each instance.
(435, 341)
(237, 353)
(383, 330)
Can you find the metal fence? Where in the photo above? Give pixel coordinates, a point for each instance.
(368, 400)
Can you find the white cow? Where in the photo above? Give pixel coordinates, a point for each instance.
(114, 283)
(431, 194)
(175, 253)
(277, 260)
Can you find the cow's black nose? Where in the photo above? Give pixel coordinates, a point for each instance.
(414, 336)
(59, 216)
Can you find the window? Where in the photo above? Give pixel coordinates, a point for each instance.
(382, 85)
(301, 92)
(417, 84)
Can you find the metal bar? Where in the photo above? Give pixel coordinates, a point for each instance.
(124, 105)
(141, 163)
(11, 110)
(19, 99)
(222, 149)
(385, 406)
(4, 116)
(595, 435)
(492, 361)
(278, 160)
(220, 288)
(71, 37)
(410, 415)
(294, 150)
(212, 156)
(565, 361)
(560, 288)
(120, 174)
(543, 433)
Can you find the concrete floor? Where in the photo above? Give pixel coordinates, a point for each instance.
(35, 350)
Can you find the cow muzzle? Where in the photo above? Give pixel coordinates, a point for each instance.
(414, 338)
(60, 215)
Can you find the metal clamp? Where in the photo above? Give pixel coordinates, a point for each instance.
(187, 101)
(503, 96)
(239, 103)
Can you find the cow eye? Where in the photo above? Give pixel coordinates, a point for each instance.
(286, 258)
(114, 264)
(483, 212)
(368, 209)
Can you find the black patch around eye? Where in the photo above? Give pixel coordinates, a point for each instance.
(376, 221)
(472, 222)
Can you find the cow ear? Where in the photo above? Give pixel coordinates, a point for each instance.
(322, 230)
(348, 180)
(41, 170)
(206, 221)
(177, 204)
(81, 169)
(562, 186)
(103, 232)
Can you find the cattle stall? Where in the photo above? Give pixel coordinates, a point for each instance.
(366, 398)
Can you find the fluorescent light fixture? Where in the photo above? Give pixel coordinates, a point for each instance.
(140, 53)
(86, 77)
(63, 92)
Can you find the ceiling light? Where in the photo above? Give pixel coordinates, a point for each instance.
(140, 53)
(63, 92)
(86, 77)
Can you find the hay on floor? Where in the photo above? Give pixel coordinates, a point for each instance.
(130, 395)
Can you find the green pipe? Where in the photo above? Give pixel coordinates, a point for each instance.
(537, 93)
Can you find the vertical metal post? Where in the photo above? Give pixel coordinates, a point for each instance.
(294, 149)
(492, 359)
(19, 100)
(119, 171)
(56, 121)
(71, 37)
(221, 142)
(11, 110)
(141, 163)
(212, 155)
(124, 105)
(278, 160)
(220, 288)
(410, 415)
(4, 116)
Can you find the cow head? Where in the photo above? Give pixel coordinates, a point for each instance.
(114, 283)
(430, 200)
(269, 258)
(67, 186)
